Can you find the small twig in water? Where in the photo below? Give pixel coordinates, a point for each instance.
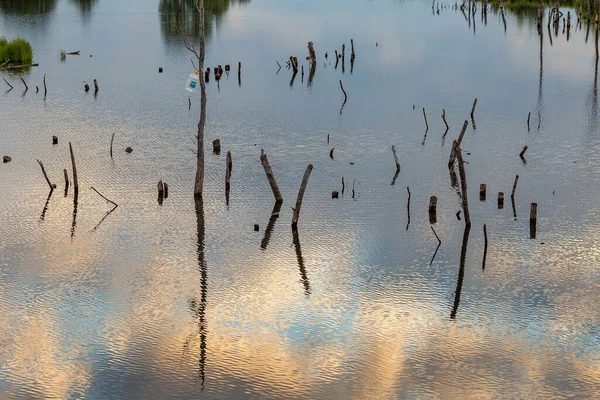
(101, 195)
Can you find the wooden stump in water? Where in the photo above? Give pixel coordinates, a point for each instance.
(533, 213)
(128, 150)
(335, 194)
(227, 68)
(54, 139)
(96, 87)
(482, 191)
(433, 209)
(86, 87)
(160, 70)
(500, 200)
(533, 221)
(216, 146)
(166, 187)
(6, 159)
(256, 227)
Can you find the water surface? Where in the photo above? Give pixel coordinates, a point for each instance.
(185, 300)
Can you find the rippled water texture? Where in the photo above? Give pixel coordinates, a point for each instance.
(184, 299)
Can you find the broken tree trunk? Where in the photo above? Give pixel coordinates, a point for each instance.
(75, 183)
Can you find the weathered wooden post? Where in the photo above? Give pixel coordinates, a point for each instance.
(54, 140)
(482, 191)
(500, 200)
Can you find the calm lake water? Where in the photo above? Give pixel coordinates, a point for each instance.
(185, 300)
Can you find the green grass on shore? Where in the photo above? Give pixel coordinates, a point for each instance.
(18, 51)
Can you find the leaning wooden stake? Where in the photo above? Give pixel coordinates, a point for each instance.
(396, 158)
(96, 87)
(345, 95)
(408, 208)
(75, 183)
(26, 87)
(11, 86)
(45, 88)
(271, 177)
(473, 108)
(66, 181)
(108, 200)
(514, 189)
(425, 117)
(463, 184)
(485, 246)
(301, 195)
(456, 145)
(528, 118)
(228, 176)
(444, 118)
(46, 176)
(112, 138)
